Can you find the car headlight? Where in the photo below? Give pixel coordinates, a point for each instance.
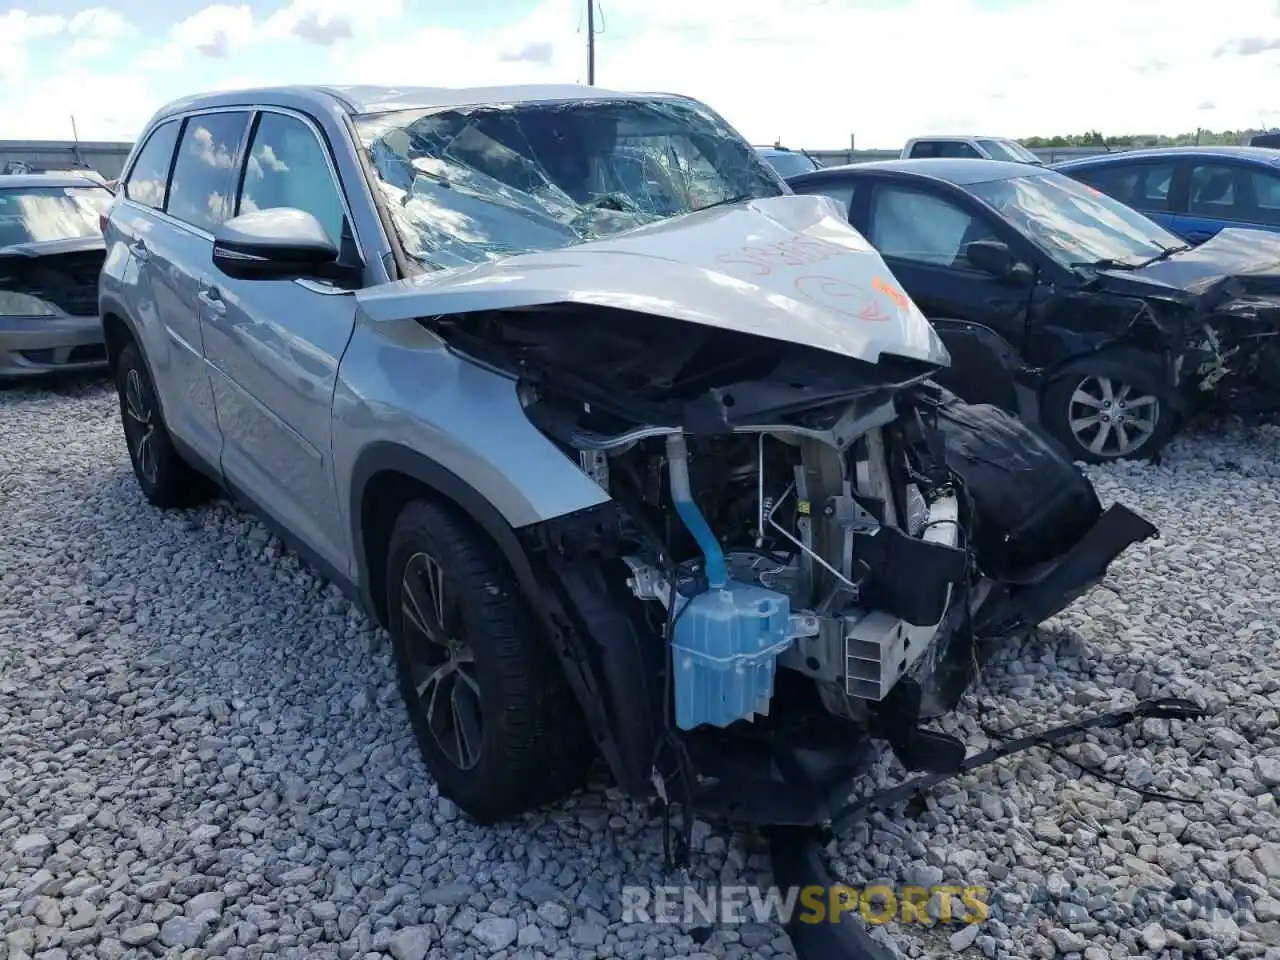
(25, 305)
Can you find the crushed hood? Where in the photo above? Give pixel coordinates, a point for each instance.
(1249, 259)
(787, 268)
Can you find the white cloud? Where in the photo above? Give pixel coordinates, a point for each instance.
(325, 22)
(17, 29)
(97, 31)
(809, 71)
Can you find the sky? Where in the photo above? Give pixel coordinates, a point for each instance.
(813, 73)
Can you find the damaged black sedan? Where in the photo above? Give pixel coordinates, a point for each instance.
(1070, 308)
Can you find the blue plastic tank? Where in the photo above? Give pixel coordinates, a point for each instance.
(725, 651)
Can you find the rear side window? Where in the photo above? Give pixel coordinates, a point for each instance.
(923, 149)
(204, 173)
(943, 148)
(150, 173)
(288, 167)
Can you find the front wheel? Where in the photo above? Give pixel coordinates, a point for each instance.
(498, 726)
(1113, 406)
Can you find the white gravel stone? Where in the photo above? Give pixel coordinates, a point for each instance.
(203, 741)
(1069, 859)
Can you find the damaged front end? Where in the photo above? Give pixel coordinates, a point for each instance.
(801, 550)
(800, 542)
(1217, 308)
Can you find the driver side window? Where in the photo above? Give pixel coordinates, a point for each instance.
(913, 225)
(287, 167)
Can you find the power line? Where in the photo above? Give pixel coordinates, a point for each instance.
(591, 42)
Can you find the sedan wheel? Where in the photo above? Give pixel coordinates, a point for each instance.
(1110, 418)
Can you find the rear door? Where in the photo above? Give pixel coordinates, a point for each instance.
(147, 272)
(1224, 193)
(273, 346)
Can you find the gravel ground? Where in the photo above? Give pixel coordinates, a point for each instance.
(1075, 866)
(203, 753)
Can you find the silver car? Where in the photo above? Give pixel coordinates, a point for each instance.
(51, 251)
(631, 450)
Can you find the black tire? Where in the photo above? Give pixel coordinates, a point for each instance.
(165, 478)
(533, 744)
(1126, 374)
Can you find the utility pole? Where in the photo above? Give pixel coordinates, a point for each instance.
(591, 42)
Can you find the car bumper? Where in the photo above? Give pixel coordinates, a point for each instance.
(31, 346)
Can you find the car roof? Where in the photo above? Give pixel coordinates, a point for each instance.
(10, 181)
(357, 100)
(957, 170)
(1260, 155)
(957, 136)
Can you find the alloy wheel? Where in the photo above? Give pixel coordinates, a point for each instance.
(441, 662)
(1110, 418)
(140, 427)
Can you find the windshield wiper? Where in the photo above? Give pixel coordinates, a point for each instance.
(1164, 254)
(727, 201)
(1109, 263)
(1106, 263)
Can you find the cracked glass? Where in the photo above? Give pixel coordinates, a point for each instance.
(476, 184)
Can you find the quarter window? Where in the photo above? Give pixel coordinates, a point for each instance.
(150, 173)
(288, 167)
(918, 226)
(203, 178)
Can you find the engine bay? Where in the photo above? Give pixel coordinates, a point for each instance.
(786, 548)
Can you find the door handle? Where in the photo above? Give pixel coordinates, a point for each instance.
(139, 250)
(212, 301)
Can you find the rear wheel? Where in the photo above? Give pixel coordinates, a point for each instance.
(1112, 406)
(165, 478)
(498, 727)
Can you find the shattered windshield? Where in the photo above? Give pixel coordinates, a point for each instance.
(466, 185)
(37, 214)
(1074, 223)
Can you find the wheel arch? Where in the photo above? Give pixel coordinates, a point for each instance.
(388, 475)
(385, 477)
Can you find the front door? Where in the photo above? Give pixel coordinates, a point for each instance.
(273, 346)
(922, 237)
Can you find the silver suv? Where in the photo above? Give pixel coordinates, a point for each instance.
(633, 452)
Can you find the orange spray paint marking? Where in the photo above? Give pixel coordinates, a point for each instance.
(892, 292)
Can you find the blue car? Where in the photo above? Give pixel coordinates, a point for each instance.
(1193, 191)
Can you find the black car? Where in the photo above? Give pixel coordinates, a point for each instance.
(1067, 306)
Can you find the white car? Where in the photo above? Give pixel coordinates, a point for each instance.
(982, 148)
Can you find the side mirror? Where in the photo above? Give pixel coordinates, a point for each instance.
(995, 258)
(990, 256)
(278, 244)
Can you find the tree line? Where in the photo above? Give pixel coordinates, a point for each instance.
(1094, 138)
